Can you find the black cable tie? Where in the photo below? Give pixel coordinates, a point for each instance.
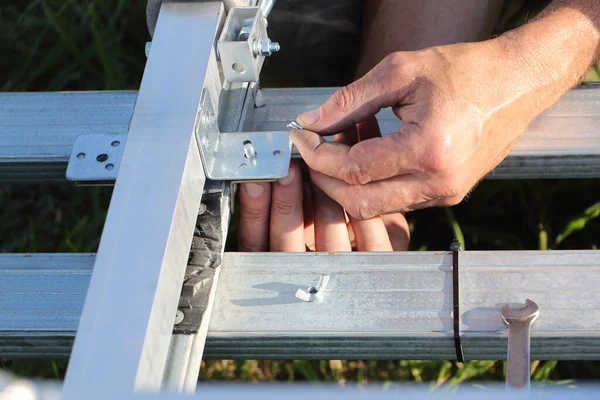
(455, 248)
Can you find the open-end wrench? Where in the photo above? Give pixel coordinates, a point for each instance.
(519, 329)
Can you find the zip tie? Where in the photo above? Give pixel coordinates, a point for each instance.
(456, 248)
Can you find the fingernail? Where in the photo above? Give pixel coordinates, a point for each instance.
(288, 178)
(310, 117)
(254, 189)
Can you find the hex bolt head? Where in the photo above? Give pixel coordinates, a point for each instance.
(265, 47)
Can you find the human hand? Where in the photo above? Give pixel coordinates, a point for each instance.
(463, 108)
(293, 216)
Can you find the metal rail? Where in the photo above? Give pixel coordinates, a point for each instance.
(124, 333)
(376, 306)
(37, 130)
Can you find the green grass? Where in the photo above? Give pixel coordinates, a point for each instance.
(99, 45)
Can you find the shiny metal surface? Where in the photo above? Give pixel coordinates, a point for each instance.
(519, 324)
(224, 153)
(375, 306)
(96, 158)
(125, 328)
(37, 130)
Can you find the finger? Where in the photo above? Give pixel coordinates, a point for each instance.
(373, 159)
(331, 233)
(397, 194)
(356, 102)
(309, 219)
(368, 129)
(370, 234)
(398, 231)
(287, 217)
(364, 130)
(255, 203)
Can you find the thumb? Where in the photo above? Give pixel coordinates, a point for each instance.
(354, 103)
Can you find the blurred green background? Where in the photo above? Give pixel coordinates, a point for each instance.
(99, 45)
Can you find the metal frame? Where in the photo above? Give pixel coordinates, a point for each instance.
(375, 306)
(563, 142)
(125, 328)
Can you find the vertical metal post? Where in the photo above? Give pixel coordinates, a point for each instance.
(125, 329)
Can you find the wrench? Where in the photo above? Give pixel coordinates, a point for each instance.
(519, 329)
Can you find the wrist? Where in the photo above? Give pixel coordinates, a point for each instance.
(552, 53)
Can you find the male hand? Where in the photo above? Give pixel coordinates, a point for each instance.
(463, 107)
(292, 215)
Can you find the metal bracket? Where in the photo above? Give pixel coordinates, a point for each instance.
(96, 158)
(240, 155)
(244, 43)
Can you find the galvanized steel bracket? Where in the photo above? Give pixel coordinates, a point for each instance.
(240, 156)
(243, 44)
(95, 158)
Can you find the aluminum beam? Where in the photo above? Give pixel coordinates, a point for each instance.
(125, 329)
(37, 130)
(376, 306)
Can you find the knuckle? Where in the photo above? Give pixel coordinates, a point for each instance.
(343, 98)
(449, 192)
(284, 206)
(360, 209)
(352, 174)
(254, 214)
(439, 159)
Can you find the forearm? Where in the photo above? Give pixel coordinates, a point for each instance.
(557, 48)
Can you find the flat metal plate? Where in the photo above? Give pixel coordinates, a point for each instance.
(273, 152)
(96, 158)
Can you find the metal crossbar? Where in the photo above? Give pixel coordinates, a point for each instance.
(563, 142)
(376, 306)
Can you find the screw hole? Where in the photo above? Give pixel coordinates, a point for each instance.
(115, 143)
(243, 165)
(277, 152)
(238, 67)
(81, 156)
(313, 290)
(102, 157)
(109, 167)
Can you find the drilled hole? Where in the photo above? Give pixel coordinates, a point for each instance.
(313, 290)
(81, 156)
(102, 157)
(115, 143)
(109, 167)
(277, 152)
(238, 67)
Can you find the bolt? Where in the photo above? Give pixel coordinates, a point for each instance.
(249, 151)
(202, 209)
(265, 47)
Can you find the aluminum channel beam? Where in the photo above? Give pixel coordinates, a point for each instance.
(125, 329)
(376, 306)
(37, 130)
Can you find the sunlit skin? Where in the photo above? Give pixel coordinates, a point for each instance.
(463, 106)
